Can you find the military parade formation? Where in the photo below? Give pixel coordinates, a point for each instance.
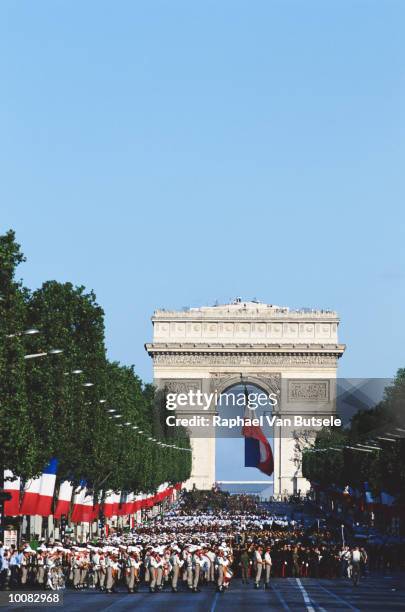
(202, 541)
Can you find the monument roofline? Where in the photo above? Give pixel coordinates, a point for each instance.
(235, 312)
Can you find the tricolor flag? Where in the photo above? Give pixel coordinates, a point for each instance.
(258, 451)
(83, 505)
(12, 486)
(30, 497)
(161, 492)
(47, 489)
(138, 502)
(64, 499)
(111, 504)
(122, 507)
(129, 503)
(149, 501)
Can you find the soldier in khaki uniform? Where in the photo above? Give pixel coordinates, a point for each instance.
(176, 563)
(267, 566)
(258, 565)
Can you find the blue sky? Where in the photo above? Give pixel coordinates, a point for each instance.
(175, 153)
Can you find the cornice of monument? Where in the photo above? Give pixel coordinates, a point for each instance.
(215, 348)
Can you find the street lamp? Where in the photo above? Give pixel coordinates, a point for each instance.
(43, 354)
(27, 332)
(370, 447)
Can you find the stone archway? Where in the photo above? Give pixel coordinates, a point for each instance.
(291, 353)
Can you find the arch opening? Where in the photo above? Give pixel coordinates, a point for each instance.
(242, 400)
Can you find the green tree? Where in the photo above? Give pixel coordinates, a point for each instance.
(19, 444)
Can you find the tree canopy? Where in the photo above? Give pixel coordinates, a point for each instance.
(371, 449)
(94, 416)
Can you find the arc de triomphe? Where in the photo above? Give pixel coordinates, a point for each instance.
(293, 353)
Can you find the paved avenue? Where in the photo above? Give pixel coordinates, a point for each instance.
(376, 593)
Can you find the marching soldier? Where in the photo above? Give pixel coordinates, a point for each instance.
(95, 568)
(258, 560)
(146, 563)
(101, 572)
(111, 567)
(129, 573)
(198, 561)
(40, 570)
(177, 564)
(244, 565)
(25, 562)
(77, 570)
(267, 566)
(211, 567)
(188, 567)
(156, 572)
(220, 563)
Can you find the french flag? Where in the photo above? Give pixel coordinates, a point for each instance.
(149, 501)
(111, 504)
(129, 503)
(122, 508)
(258, 451)
(12, 485)
(47, 489)
(83, 505)
(30, 497)
(64, 499)
(138, 502)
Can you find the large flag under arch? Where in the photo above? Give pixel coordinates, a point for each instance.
(258, 451)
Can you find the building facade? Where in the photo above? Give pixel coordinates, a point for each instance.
(291, 353)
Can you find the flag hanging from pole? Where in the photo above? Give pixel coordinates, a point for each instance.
(47, 489)
(64, 499)
(30, 496)
(12, 485)
(258, 451)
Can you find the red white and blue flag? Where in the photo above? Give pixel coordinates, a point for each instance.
(84, 510)
(258, 451)
(12, 486)
(47, 489)
(38, 492)
(30, 496)
(64, 499)
(111, 504)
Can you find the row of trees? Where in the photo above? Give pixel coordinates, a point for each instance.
(347, 457)
(60, 405)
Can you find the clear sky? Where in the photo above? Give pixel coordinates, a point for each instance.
(174, 153)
